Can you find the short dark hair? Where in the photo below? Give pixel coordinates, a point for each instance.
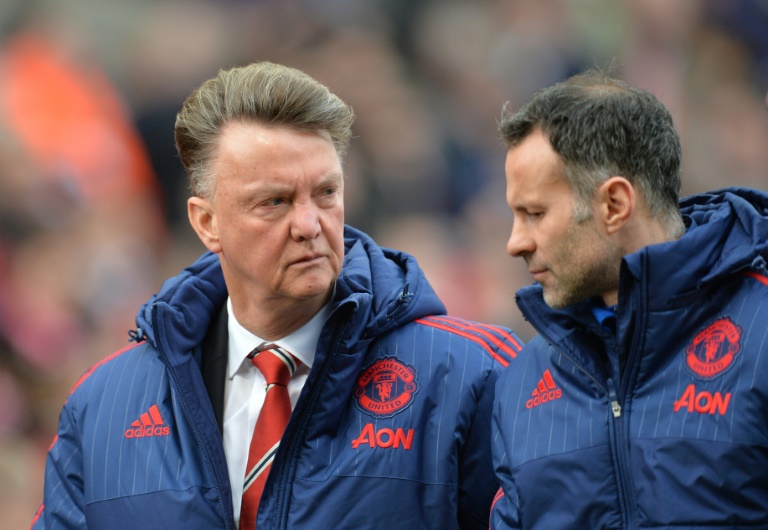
(261, 92)
(601, 127)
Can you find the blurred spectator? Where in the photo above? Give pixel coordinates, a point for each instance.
(746, 22)
(81, 203)
(82, 235)
(164, 63)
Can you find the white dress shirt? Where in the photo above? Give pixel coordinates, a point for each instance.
(244, 390)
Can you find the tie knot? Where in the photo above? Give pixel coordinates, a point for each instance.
(276, 365)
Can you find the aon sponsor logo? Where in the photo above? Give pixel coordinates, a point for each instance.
(384, 438)
(703, 402)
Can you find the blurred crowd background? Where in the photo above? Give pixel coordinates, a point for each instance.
(93, 198)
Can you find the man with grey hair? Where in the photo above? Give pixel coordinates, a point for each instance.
(639, 404)
(297, 375)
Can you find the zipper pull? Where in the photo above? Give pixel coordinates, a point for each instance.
(612, 396)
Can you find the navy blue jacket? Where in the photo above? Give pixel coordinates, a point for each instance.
(139, 446)
(679, 438)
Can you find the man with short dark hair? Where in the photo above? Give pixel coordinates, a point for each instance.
(640, 404)
(297, 375)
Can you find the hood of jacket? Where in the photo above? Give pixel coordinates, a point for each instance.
(388, 286)
(726, 233)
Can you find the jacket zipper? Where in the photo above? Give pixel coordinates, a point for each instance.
(206, 456)
(627, 495)
(619, 455)
(280, 519)
(614, 399)
(193, 425)
(615, 433)
(615, 430)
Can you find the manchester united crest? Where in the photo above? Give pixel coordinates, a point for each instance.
(386, 387)
(713, 349)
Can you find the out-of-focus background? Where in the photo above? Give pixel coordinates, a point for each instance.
(92, 196)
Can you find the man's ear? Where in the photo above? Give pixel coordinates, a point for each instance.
(616, 201)
(202, 217)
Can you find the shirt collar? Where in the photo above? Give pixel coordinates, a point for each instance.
(301, 343)
(604, 313)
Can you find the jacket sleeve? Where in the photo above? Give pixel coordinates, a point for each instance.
(504, 512)
(62, 505)
(477, 484)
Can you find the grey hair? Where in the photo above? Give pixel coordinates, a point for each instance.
(261, 92)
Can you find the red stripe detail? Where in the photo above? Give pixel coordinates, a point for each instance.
(759, 277)
(37, 515)
(548, 379)
(497, 498)
(512, 353)
(480, 328)
(87, 374)
(503, 362)
(155, 413)
(145, 421)
(499, 495)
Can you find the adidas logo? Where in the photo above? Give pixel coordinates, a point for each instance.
(545, 391)
(149, 424)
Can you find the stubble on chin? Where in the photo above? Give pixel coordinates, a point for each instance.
(601, 277)
(556, 299)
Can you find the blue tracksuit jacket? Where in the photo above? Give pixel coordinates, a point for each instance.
(392, 429)
(679, 437)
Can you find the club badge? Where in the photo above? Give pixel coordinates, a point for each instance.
(386, 387)
(713, 349)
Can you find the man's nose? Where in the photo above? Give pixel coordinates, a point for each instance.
(520, 241)
(305, 222)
